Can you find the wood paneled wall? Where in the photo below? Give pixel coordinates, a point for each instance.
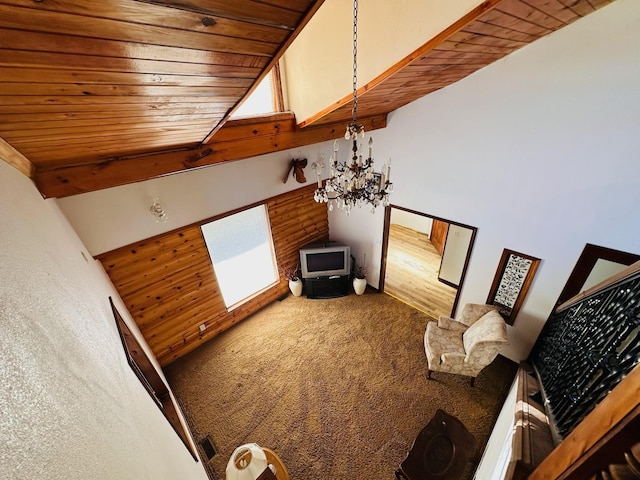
(170, 288)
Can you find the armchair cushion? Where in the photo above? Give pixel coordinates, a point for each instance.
(453, 358)
(484, 338)
(472, 312)
(451, 324)
(442, 344)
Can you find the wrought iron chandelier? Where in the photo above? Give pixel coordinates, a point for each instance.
(356, 183)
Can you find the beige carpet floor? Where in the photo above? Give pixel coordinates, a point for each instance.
(335, 387)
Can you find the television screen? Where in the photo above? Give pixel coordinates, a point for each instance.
(325, 259)
(317, 262)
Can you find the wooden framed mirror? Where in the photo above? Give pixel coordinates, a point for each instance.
(424, 259)
(512, 280)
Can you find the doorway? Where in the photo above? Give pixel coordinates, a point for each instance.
(424, 259)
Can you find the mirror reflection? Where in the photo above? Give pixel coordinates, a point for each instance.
(426, 260)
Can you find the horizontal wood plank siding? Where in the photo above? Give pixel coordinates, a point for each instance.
(69, 66)
(169, 286)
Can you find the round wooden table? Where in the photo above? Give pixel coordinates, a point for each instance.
(273, 459)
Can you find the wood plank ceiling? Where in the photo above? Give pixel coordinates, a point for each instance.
(99, 94)
(83, 82)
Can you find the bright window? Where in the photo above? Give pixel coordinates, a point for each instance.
(263, 100)
(241, 251)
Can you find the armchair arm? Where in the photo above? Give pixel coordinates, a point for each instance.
(452, 358)
(451, 324)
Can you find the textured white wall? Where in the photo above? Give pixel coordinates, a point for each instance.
(539, 151)
(70, 406)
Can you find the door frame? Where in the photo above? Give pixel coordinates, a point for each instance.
(385, 247)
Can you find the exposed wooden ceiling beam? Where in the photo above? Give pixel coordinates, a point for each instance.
(147, 85)
(14, 158)
(236, 140)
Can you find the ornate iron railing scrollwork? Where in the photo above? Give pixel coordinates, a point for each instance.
(585, 350)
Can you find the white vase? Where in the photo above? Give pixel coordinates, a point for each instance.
(296, 287)
(359, 285)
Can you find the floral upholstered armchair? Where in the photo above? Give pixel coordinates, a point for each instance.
(466, 345)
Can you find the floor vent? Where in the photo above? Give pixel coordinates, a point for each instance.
(207, 447)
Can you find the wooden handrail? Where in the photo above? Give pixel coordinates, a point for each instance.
(614, 416)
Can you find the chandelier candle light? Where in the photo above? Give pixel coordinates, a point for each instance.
(356, 183)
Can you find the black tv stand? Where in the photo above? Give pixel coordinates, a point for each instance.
(327, 287)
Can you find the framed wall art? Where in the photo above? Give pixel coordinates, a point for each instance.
(512, 280)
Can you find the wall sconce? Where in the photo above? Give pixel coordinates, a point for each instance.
(158, 212)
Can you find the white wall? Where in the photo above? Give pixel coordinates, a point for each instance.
(319, 63)
(71, 407)
(497, 454)
(411, 220)
(110, 218)
(538, 150)
(602, 270)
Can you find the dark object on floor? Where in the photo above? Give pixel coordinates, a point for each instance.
(441, 450)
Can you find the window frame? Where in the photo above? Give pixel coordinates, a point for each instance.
(278, 94)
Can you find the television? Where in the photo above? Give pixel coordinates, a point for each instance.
(325, 259)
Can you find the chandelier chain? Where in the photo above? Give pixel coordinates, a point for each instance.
(354, 109)
(353, 183)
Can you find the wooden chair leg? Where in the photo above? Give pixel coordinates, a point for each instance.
(428, 374)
